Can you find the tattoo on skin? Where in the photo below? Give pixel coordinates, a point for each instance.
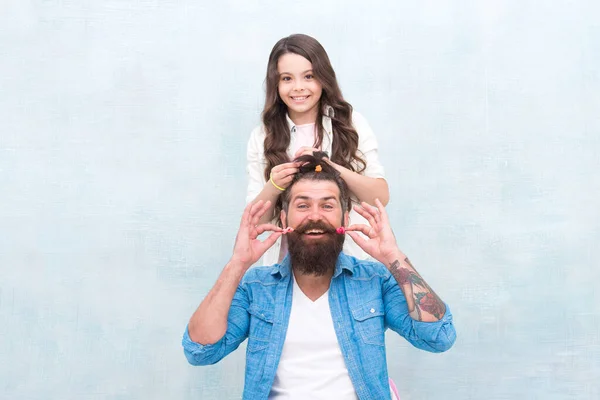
(419, 295)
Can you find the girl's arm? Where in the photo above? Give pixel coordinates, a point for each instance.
(365, 188)
(370, 184)
(258, 188)
(281, 177)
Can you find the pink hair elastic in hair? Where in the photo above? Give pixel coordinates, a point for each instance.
(288, 230)
(341, 230)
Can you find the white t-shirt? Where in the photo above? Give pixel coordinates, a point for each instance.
(305, 137)
(311, 364)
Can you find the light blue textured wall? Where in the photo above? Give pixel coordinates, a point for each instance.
(123, 127)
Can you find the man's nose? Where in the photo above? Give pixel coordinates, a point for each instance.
(315, 214)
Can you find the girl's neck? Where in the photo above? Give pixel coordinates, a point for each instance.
(305, 125)
(303, 118)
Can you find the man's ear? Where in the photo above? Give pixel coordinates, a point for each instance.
(283, 218)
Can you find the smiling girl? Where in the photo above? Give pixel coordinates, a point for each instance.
(305, 112)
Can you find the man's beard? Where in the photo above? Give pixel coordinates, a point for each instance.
(317, 256)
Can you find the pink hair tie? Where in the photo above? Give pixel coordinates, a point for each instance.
(341, 230)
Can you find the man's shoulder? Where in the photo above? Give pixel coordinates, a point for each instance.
(365, 269)
(260, 274)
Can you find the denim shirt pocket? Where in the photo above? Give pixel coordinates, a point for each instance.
(369, 321)
(261, 325)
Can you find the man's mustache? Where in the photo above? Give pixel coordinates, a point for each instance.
(320, 225)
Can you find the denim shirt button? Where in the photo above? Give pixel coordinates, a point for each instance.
(372, 310)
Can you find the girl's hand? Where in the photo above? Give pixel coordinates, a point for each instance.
(310, 151)
(282, 174)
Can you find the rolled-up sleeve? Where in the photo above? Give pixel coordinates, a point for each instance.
(238, 321)
(368, 147)
(201, 354)
(435, 337)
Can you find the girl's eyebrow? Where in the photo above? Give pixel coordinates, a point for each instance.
(289, 73)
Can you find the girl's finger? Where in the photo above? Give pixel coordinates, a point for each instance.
(291, 171)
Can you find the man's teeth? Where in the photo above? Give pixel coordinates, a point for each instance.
(314, 231)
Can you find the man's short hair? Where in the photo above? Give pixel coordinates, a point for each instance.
(316, 168)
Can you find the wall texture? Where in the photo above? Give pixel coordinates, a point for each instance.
(123, 127)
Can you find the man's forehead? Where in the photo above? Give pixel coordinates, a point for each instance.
(315, 190)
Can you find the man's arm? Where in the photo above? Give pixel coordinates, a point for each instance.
(435, 336)
(209, 322)
(200, 352)
(209, 325)
(412, 307)
(423, 304)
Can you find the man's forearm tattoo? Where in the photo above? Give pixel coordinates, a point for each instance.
(418, 294)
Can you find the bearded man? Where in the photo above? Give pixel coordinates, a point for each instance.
(315, 323)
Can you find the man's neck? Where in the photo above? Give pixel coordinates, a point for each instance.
(313, 286)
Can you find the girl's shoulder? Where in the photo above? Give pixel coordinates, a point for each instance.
(358, 118)
(259, 130)
(256, 140)
(257, 136)
(361, 125)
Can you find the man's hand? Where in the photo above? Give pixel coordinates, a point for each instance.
(209, 323)
(381, 243)
(423, 304)
(248, 248)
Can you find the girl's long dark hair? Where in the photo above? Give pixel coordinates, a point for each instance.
(344, 149)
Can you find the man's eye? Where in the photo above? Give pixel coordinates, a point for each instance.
(328, 206)
(302, 206)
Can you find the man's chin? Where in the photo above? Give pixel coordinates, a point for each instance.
(315, 255)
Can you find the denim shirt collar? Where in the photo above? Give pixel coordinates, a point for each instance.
(343, 262)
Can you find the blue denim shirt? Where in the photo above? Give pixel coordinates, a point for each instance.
(364, 299)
